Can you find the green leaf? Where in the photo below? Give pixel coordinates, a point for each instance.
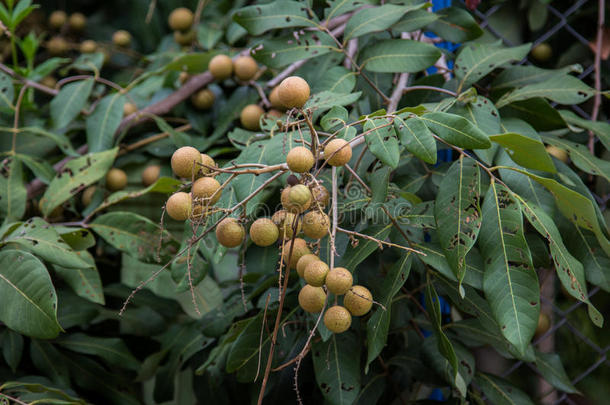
(436, 259)
(382, 141)
(39, 167)
(581, 157)
(84, 281)
(551, 368)
(525, 151)
(475, 61)
(112, 350)
(563, 90)
(279, 52)
(500, 392)
(77, 238)
(456, 25)
(66, 105)
(13, 194)
(521, 75)
(510, 282)
(47, 359)
(7, 92)
(600, 128)
(59, 138)
(75, 176)
(196, 62)
(247, 345)
(337, 7)
(133, 272)
(353, 256)
(208, 296)
(376, 19)
(12, 348)
(398, 55)
(208, 36)
(336, 364)
(103, 123)
(280, 14)
(28, 303)
(337, 79)
(89, 62)
(456, 130)
(416, 138)
(325, 100)
(458, 214)
(537, 112)
(414, 21)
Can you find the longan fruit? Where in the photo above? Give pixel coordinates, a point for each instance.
(183, 77)
(129, 108)
(121, 38)
(274, 113)
(544, 324)
(315, 224)
(203, 99)
(299, 250)
(339, 280)
(221, 67)
(284, 220)
(178, 206)
(185, 161)
(293, 92)
(274, 99)
(250, 117)
(181, 19)
(230, 233)
(264, 232)
(300, 198)
(321, 196)
(57, 19)
(358, 300)
(151, 174)
(199, 211)
(312, 299)
(315, 273)
(57, 46)
(206, 160)
(184, 38)
(88, 195)
(304, 261)
(337, 319)
(49, 81)
(245, 68)
(207, 188)
(542, 52)
(77, 21)
(338, 152)
(56, 213)
(116, 179)
(559, 153)
(300, 159)
(88, 46)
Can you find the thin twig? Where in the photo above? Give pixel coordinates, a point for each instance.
(597, 101)
(379, 241)
(30, 83)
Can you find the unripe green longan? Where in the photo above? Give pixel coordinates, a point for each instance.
(320, 195)
(338, 152)
(300, 159)
(245, 68)
(293, 92)
(284, 220)
(230, 233)
(181, 19)
(129, 108)
(337, 319)
(315, 273)
(304, 261)
(203, 99)
(312, 299)
(207, 188)
(315, 224)
(121, 38)
(88, 195)
(300, 198)
(358, 300)
(185, 161)
(274, 99)
(57, 19)
(206, 160)
(221, 67)
(339, 280)
(559, 153)
(77, 22)
(184, 38)
(178, 206)
(299, 250)
(542, 52)
(116, 179)
(57, 46)
(150, 175)
(250, 117)
(264, 232)
(88, 46)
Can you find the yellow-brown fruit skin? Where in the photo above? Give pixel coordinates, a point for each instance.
(300, 159)
(206, 190)
(57, 19)
(88, 46)
(88, 195)
(315, 224)
(129, 108)
(184, 38)
(542, 52)
(77, 22)
(293, 92)
(339, 280)
(299, 199)
(185, 162)
(358, 300)
(221, 67)
(320, 195)
(304, 261)
(559, 153)
(283, 220)
(230, 233)
(116, 179)
(274, 99)
(181, 19)
(337, 319)
(299, 250)
(544, 324)
(245, 68)
(264, 232)
(183, 77)
(315, 273)
(150, 175)
(207, 161)
(274, 113)
(203, 99)
(49, 81)
(121, 38)
(57, 46)
(178, 206)
(338, 152)
(312, 299)
(250, 117)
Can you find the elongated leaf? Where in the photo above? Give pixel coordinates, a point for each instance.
(458, 214)
(85, 281)
(510, 283)
(376, 19)
(280, 14)
(66, 105)
(111, 350)
(456, 130)
(12, 348)
(41, 168)
(382, 141)
(62, 141)
(500, 392)
(416, 138)
(600, 128)
(195, 62)
(563, 90)
(12, 190)
(28, 303)
(552, 370)
(537, 112)
(353, 256)
(436, 259)
(525, 151)
(398, 55)
(280, 52)
(7, 92)
(415, 20)
(581, 157)
(456, 25)
(47, 359)
(521, 75)
(102, 124)
(337, 80)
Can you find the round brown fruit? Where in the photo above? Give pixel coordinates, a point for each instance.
(315, 224)
(77, 22)
(178, 206)
(299, 250)
(274, 99)
(245, 68)
(358, 300)
(185, 161)
(207, 162)
(312, 299)
(121, 38)
(206, 189)
(183, 77)
(544, 324)
(339, 280)
(88, 195)
(49, 81)
(221, 67)
(320, 196)
(315, 273)
(184, 38)
(284, 220)
(199, 211)
(542, 52)
(57, 19)
(559, 153)
(250, 117)
(181, 19)
(300, 198)
(129, 108)
(151, 174)
(293, 92)
(338, 152)
(337, 319)
(203, 99)
(300, 159)
(264, 232)
(230, 233)
(88, 46)
(116, 179)
(273, 113)
(57, 46)
(304, 261)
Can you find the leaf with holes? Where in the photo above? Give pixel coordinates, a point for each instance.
(456, 130)
(398, 55)
(382, 141)
(416, 138)
(257, 19)
(103, 123)
(563, 90)
(13, 194)
(70, 100)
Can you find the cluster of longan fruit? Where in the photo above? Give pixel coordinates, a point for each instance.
(181, 22)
